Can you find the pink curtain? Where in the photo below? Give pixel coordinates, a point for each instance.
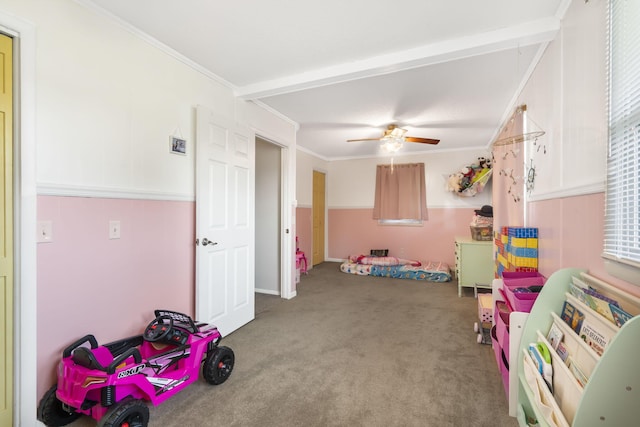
(400, 192)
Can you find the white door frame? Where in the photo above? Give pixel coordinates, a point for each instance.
(287, 287)
(25, 210)
(287, 235)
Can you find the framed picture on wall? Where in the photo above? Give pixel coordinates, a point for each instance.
(178, 145)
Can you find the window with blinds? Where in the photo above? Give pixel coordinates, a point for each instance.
(622, 210)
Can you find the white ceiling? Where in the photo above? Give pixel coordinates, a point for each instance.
(345, 69)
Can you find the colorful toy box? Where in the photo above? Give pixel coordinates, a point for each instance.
(517, 250)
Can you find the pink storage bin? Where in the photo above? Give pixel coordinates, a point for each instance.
(497, 350)
(502, 312)
(504, 371)
(503, 364)
(521, 301)
(522, 279)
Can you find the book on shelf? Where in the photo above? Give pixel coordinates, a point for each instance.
(563, 352)
(572, 316)
(577, 373)
(600, 303)
(576, 289)
(620, 317)
(609, 308)
(555, 336)
(542, 360)
(596, 339)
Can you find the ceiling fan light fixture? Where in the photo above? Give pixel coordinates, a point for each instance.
(397, 133)
(392, 145)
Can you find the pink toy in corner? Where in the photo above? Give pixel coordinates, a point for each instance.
(301, 259)
(112, 382)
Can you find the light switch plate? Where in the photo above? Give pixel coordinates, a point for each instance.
(45, 232)
(114, 229)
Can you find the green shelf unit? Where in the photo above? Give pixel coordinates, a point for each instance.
(611, 397)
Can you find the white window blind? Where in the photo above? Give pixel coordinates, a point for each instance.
(622, 210)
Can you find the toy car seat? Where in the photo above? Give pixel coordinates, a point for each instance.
(101, 359)
(98, 358)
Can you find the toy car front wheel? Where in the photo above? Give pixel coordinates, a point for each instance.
(52, 412)
(218, 365)
(130, 413)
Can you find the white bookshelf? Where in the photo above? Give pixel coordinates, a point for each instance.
(611, 396)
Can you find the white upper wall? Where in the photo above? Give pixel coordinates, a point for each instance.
(351, 183)
(566, 97)
(109, 100)
(305, 165)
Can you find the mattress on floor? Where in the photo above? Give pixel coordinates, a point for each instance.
(432, 271)
(355, 268)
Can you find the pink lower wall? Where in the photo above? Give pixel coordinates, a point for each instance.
(571, 234)
(88, 283)
(354, 232)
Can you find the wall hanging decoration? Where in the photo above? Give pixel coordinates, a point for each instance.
(531, 177)
(471, 179)
(178, 145)
(519, 128)
(508, 147)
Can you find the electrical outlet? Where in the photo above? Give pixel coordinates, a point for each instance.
(45, 232)
(114, 229)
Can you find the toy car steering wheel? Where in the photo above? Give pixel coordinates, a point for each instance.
(158, 329)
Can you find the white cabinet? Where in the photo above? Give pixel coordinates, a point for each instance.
(474, 263)
(611, 396)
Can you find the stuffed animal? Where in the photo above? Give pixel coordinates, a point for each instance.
(484, 163)
(453, 182)
(467, 176)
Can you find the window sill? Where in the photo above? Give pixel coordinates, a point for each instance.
(401, 222)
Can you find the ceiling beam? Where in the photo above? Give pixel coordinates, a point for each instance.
(534, 32)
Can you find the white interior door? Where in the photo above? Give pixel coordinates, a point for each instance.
(225, 222)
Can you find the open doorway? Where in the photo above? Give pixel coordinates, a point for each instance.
(268, 272)
(318, 209)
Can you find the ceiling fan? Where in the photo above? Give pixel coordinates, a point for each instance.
(393, 137)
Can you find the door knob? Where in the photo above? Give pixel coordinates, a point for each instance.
(206, 242)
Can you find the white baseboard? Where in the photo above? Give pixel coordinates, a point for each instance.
(266, 291)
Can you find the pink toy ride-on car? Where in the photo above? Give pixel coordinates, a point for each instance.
(112, 382)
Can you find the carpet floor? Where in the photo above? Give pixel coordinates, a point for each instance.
(352, 351)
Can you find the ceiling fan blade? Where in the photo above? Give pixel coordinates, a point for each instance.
(421, 140)
(366, 139)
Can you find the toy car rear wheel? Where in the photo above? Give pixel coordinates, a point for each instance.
(218, 365)
(130, 413)
(52, 412)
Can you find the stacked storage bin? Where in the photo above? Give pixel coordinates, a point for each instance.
(517, 265)
(500, 340)
(515, 299)
(517, 250)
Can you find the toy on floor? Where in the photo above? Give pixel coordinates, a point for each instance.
(485, 316)
(112, 382)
